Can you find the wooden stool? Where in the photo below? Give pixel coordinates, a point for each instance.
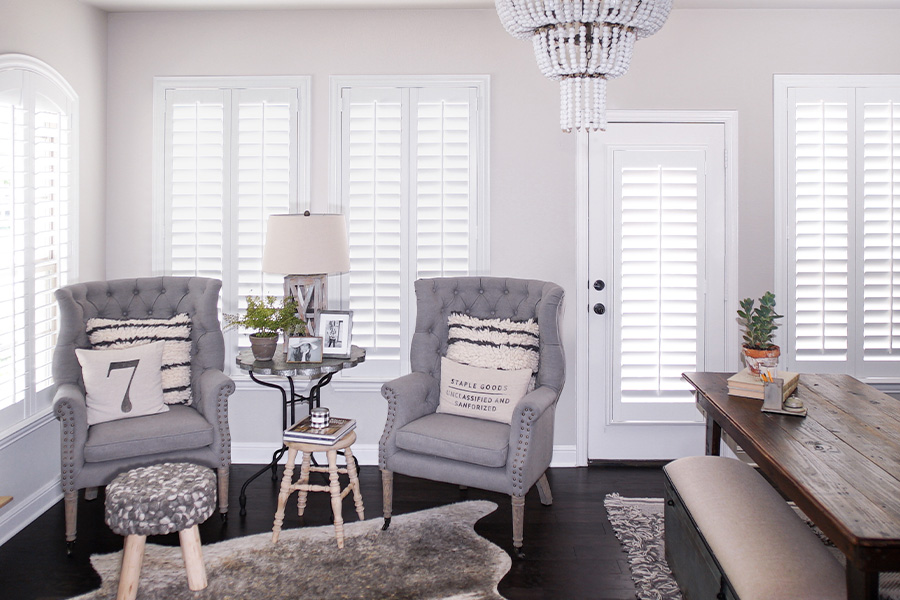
(303, 485)
(157, 500)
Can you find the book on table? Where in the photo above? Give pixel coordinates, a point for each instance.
(303, 431)
(749, 385)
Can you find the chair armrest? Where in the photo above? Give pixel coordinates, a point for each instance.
(531, 438)
(70, 408)
(211, 400)
(409, 398)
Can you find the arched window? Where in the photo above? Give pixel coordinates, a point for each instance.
(38, 196)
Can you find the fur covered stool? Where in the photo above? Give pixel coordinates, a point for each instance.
(157, 500)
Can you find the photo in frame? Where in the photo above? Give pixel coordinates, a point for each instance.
(334, 329)
(303, 349)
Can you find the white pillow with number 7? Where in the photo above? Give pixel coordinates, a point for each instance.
(122, 383)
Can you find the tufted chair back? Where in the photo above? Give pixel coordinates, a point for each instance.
(140, 298)
(487, 298)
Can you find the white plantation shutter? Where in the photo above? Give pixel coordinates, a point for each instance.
(409, 188)
(843, 142)
(659, 206)
(880, 149)
(820, 303)
(231, 159)
(36, 196)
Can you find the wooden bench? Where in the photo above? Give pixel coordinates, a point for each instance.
(730, 535)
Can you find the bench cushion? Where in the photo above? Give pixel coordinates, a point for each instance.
(465, 439)
(765, 550)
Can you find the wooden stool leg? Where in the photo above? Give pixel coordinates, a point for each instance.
(193, 558)
(336, 497)
(132, 559)
(354, 482)
(283, 494)
(304, 480)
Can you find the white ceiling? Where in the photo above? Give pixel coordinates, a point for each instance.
(148, 5)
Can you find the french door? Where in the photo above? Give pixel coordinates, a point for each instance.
(657, 300)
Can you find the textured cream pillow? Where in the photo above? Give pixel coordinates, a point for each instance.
(122, 383)
(490, 394)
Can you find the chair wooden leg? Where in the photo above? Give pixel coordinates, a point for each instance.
(518, 517)
(543, 487)
(336, 497)
(222, 474)
(90, 493)
(354, 483)
(283, 494)
(132, 559)
(387, 495)
(71, 502)
(304, 480)
(192, 553)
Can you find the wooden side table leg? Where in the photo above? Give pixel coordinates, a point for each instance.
(336, 497)
(354, 482)
(192, 553)
(713, 437)
(283, 494)
(132, 559)
(303, 481)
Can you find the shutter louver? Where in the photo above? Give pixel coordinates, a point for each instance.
(881, 230)
(374, 198)
(443, 183)
(659, 206)
(195, 172)
(822, 237)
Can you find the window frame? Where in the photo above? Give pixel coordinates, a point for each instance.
(783, 219)
(37, 404)
(481, 84)
(161, 85)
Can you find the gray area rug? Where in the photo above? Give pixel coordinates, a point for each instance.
(431, 554)
(639, 525)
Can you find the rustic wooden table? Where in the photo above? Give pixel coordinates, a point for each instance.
(840, 464)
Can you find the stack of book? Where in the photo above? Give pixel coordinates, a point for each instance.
(303, 431)
(748, 385)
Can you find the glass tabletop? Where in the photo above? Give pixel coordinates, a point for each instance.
(278, 366)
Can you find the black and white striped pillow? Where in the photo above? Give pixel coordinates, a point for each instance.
(494, 343)
(176, 360)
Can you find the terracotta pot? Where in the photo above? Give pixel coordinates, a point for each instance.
(754, 357)
(263, 348)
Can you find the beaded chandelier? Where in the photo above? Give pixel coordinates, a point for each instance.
(581, 44)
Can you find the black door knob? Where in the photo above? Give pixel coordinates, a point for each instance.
(599, 308)
(599, 285)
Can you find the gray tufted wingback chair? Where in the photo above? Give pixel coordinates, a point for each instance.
(93, 455)
(420, 442)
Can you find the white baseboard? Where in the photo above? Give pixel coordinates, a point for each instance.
(15, 517)
(366, 454)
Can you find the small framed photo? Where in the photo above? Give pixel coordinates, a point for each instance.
(334, 329)
(302, 349)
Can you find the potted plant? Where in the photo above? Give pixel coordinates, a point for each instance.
(759, 331)
(266, 317)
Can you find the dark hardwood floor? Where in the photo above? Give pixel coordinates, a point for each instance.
(571, 551)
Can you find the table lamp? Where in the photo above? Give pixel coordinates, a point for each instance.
(306, 248)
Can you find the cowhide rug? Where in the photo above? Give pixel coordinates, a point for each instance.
(431, 554)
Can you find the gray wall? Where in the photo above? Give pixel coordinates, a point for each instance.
(71, 38)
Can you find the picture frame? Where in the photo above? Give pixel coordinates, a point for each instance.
(334, 327)
(304, 349)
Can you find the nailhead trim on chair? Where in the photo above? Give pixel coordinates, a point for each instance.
(521, 448)
(391, 396)
(66, 415)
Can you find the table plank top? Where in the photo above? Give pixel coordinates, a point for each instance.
(840, 464)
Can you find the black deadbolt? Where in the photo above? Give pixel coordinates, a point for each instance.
(599, 285)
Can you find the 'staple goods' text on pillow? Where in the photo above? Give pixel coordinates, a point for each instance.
(490, 394)
(493, 343)
(176, 361)
(122, 383)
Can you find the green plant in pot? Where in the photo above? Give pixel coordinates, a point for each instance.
(266, 317)
(759, 331)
